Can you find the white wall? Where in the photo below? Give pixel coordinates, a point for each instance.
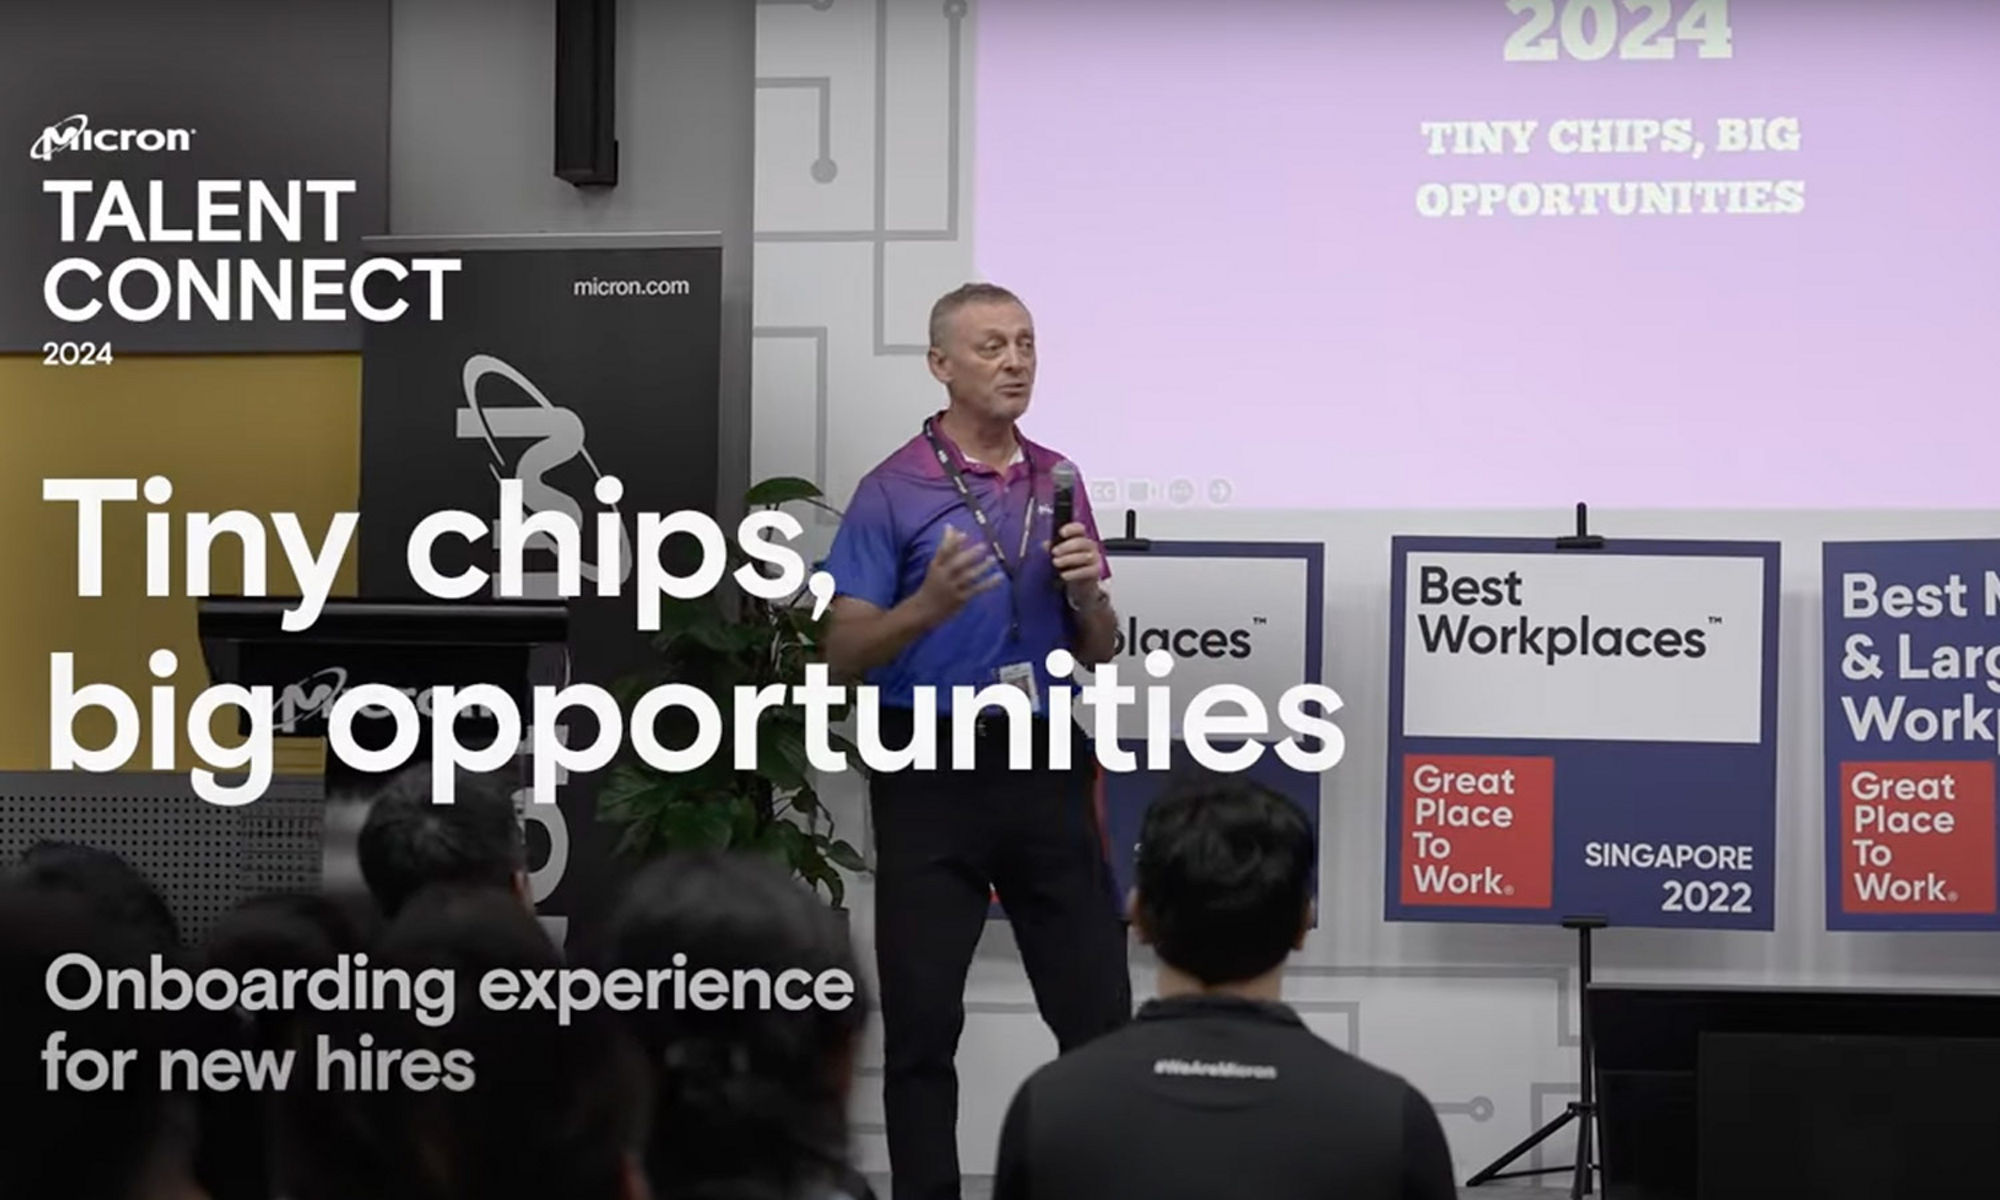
(1480, 1017)
(863, 110)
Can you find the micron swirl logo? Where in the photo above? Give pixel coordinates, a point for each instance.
(73, 133)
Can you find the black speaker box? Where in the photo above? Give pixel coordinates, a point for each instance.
(586, 92)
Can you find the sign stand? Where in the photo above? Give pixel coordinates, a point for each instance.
(1582, 539)
(1131, 543)
(1584, 1108)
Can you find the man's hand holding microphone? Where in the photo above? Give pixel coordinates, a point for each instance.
(1079, 564)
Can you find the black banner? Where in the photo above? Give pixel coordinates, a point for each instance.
(559, 361)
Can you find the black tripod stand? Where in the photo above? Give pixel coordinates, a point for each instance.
(1583, 1109)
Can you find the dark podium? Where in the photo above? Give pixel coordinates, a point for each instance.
(412, 646)
(1761, 1093)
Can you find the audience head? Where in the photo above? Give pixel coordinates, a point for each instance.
(1224, 879)
(112, 1143)
(282, 931)
(745, 1100)
(112, 887)
(311, 1143)
(752, 1094)
(278, 931)
(552, 1109)
(410, 842)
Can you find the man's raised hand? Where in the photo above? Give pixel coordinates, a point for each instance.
(959, 571)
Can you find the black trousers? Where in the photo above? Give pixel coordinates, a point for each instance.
(941, 839)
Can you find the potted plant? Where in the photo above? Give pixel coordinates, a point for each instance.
(722, 641)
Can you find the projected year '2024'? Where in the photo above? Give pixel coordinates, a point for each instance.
(1589, 30)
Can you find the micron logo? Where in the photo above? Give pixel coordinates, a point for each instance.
(310, 701)
(74, 133)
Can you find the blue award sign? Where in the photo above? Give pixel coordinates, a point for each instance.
(1912, 733)
(1582, 732)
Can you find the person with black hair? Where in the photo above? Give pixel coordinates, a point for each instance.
(410, 842)
(113, 888)
(551, 1109)
(112, 1142)
(1217, 1088)
(750, 1098)
(278, 931)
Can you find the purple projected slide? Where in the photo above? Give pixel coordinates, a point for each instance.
(1680, 253)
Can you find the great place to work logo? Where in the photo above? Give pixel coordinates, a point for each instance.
(73, 133)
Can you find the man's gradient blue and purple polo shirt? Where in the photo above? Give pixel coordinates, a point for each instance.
(893, 527)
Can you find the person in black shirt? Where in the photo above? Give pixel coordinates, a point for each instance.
(1217, 1088)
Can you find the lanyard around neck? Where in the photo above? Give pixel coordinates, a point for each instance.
(957, 478)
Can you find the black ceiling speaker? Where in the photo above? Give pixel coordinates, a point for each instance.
(586, 92)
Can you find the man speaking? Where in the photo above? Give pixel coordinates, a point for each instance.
(948, 573)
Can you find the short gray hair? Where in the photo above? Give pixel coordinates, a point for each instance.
(948, 305)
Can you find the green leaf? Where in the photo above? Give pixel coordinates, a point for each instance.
(781, 754)
(677, 616)
(697, 827)
(633, 840)
(775, 843)
(843, 855)
(797, 845)
(629, 789)
(782, 490)
(724, 638)
(717, 643)
(743, 825)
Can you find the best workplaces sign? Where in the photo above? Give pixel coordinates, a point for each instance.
(1240, 642)
(1582, 733)
(1239, 627)
(1912, 665)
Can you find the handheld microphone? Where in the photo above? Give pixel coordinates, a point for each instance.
(1064, 475)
